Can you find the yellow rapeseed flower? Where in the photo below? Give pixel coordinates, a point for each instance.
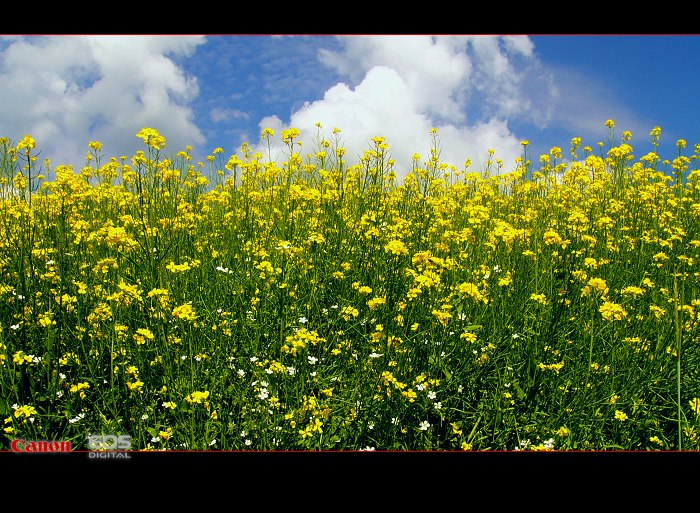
(20, 357)
(25, 411)
(632, 291)
(594, 285)
(556, 367)
(471, 290)
(184, 312)
(197, 397)
(80, 389)
(136, 386)
(612, 311)
(27, 142)
(348, 312)
(552, 237)
(539, 298)
(143, 334)
(621, 415)
(151, 138)
(563, 431)
(695, 405)
(290, 134)
(396, 247)
(657, 311)
(299, 340)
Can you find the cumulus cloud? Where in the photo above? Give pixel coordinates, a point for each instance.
(470, 88)
(69, 90)
(434, 69)
(381, 102)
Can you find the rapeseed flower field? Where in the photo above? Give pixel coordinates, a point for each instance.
(318, 304)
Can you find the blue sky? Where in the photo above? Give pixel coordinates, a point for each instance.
(481, 92)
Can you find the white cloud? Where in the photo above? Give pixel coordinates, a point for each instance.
(435, 69)
(521, 45)
(382, 105)
(468, 87)
(217, 114)
(69, 90)
(474, 142)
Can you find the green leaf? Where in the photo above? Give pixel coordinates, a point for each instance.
(447, 373)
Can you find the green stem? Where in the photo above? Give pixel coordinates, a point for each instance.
(676, 306)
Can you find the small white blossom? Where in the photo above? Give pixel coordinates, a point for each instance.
(77, 418)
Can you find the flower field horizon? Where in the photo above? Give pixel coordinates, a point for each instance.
(316, 304)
